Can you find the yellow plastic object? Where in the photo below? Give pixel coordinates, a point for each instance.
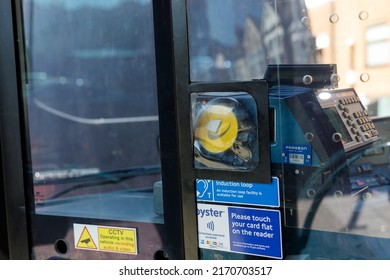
(217, 128)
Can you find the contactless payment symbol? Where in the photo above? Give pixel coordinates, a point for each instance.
(211, 225)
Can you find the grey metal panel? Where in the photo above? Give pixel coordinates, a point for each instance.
(10, 134)
(183, 107)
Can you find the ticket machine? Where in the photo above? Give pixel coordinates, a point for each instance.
(319, 130)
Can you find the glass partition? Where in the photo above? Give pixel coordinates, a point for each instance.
(327, 64)
(91, 103)
(236, 40)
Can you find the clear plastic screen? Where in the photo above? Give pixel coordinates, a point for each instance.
(336, 197)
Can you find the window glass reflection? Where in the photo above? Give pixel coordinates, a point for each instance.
(236, 40)
(92, 107)
(331, 149)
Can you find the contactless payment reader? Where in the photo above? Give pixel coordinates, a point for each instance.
(237, 199)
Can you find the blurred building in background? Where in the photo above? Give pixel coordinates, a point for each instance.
(357, 39)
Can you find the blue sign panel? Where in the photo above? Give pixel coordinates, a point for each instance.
(239, 192)
(255, 232)
(240, 230)
(297, 154)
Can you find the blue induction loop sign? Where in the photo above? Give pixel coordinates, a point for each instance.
(238, 192)
(240, 230)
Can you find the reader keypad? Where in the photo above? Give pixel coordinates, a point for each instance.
(357, 118)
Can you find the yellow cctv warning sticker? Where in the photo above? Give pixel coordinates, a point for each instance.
(117, 240)
(107, 239)
(86, 241)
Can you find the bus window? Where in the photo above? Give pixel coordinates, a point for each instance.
(92, 108)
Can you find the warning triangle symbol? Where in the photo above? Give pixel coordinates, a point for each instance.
(85, 240)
